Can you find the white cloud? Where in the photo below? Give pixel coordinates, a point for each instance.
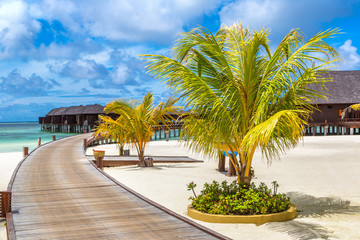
(17, 28)
(135, 21)
(120, 74)
(64, 11)
(282, 15)
(101, 57)
(351, 58)
(84, 69)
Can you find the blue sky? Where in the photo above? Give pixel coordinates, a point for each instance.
(57, 53)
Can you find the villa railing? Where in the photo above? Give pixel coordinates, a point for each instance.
(5, 203)
(350, 120)
(170, 126)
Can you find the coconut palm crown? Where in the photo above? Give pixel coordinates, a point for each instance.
(241, 95)
(136, 122)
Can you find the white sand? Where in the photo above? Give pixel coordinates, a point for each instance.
(8, 163)
(320, 174)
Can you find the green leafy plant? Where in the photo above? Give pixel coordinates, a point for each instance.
(191, 186)
(239, 199)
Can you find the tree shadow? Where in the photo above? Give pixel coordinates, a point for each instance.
(311, 207)
(157, 166)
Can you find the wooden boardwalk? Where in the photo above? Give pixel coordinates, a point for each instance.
(59, 194)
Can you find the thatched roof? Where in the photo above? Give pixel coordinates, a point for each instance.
(93, 109)
(77, 110)
(344, 89)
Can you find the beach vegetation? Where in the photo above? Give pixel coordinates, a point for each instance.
(242, 95)
(349, 109)
(108, 128)
(238, 199)
(137, 121)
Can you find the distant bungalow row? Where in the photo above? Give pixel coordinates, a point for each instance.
(83, 119)
(330, 120)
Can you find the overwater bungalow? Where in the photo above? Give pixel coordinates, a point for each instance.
(74, 119)
(342, 92)
(79, 119)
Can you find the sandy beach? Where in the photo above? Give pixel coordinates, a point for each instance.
(321, 175)
(8, 163)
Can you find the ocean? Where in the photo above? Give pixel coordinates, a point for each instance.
(15, 136)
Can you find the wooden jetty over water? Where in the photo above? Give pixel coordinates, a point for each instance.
(58, 194)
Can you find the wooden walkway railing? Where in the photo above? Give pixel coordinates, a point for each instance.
(58, 194)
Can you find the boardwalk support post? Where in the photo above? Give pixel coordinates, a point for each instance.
(100, 162)
(26, 151)
(167, 133)
(5, 203)
(99, 156)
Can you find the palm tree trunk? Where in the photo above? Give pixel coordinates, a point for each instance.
(121, 150)
(245, 173)
(141, 159)
(140, 151)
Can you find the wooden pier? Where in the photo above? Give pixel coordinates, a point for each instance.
(58, 194)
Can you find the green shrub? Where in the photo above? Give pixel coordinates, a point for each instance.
(234, 198)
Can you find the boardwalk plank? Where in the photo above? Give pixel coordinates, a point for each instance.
(58, 194)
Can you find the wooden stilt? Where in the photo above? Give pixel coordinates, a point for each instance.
(100, 162)
(26, 151)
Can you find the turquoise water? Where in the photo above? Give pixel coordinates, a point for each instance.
(15, 136)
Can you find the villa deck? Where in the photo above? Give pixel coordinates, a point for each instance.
(58, 194)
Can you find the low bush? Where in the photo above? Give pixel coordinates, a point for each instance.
(234, 198)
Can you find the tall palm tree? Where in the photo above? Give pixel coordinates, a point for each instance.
(137, 122)
(242, 95)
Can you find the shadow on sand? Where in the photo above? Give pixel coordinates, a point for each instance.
(311, 207)
(157, 166)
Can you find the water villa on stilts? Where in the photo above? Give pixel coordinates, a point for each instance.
(83, 119)
(342, 92)
(75, 119)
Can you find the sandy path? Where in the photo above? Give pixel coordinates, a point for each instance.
(8, 163)
(321, 175)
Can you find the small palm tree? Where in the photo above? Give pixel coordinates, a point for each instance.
(109, 128)
(137, 122)
(242, 95)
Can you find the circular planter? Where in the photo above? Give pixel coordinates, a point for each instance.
(255, 219)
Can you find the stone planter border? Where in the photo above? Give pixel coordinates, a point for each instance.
(255, 219)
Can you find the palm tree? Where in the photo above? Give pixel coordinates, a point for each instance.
(137, 122)
(109, 128)
(242, 95)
